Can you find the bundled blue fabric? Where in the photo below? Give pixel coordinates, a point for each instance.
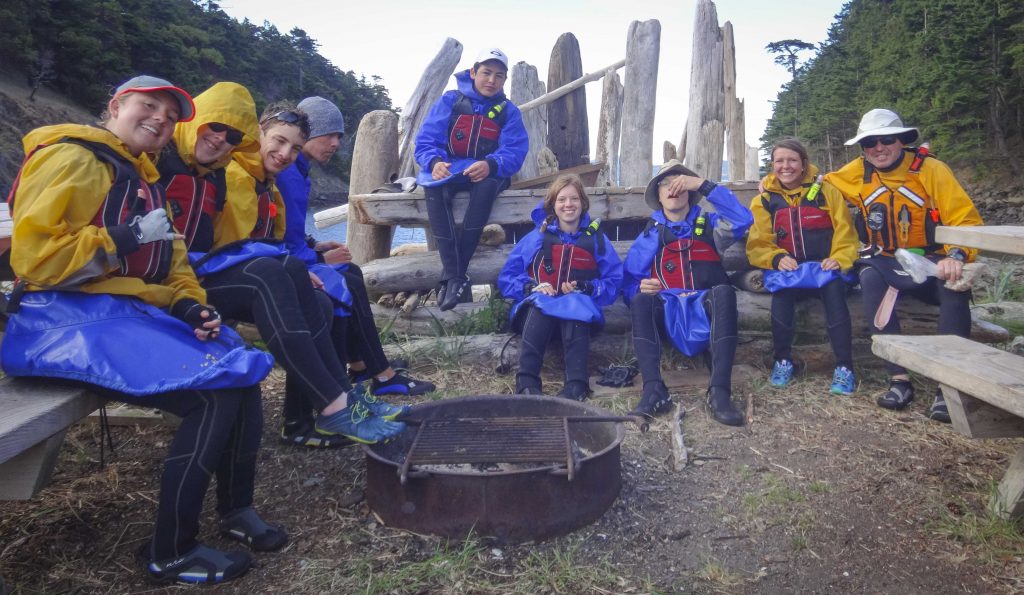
(124, 344)
(458, 165)
(571, 306)
(808, 275)
(335, 286)
(214, 262)
(686, 321)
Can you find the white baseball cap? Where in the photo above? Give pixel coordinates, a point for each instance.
(882, 122)
(492, 54)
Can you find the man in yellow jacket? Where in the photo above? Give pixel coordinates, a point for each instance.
(902, 194)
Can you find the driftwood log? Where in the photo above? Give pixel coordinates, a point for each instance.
(526, 86)
(735, 135)
(643, 46)
(568, 128)
(703, 140)
(752, 164)
(374, 162)
(668, 152)
(608, 130)
(431, 86)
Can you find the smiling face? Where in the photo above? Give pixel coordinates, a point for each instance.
(211, 146)
(882, 155)
(788, 167)
(568, 208)
(280, 145)
(144, 122)
(489, 78)
(322, 148)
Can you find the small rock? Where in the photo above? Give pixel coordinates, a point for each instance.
(352, 498)
(313, 481)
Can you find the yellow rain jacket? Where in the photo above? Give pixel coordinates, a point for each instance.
(226, 103)
(907, 198)
(55, 243)
(253, 203)
(762, 243)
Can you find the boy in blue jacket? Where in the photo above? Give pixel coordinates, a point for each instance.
(473, 139)
(676, 287)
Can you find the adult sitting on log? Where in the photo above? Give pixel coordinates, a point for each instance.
(110, 301)
(472, 139)
(357, 336)
(561, 275)
(675, 285)
(803, 235)
(248, 273)
(902, 194)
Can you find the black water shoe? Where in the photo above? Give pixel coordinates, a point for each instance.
(455, 293)
(575, 390)
(722, 408)
(938, 411)
(655, 400)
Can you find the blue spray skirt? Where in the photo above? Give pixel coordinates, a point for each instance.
(808, 275)
(686, 321)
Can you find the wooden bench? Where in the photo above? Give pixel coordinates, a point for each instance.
(36, 414)
(984, 390)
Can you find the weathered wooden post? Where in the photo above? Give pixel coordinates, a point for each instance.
(608, 130)
(753, 164)
(429, 89)
(374, 162)
(526, 85)
(643, 43)
(568, 129)
(735, 135)
(668, 152)
(702, 143)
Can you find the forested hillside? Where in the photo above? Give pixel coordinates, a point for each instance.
(953, 68)
(84, 48)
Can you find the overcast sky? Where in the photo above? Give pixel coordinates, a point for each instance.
(395, 39)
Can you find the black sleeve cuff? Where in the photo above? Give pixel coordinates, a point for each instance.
(776, 259)
(182, 306)
(707, 187)
(124, 239)
(311, 242)
(494, 167)
(433, 162)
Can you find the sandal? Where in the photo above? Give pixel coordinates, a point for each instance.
(617, 376)
(201, 565)
(899, 395)
(246, 526)
(302, 433)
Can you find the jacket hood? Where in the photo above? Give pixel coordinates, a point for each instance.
(466, 88)
(772, 184)
(48, 135)
(226, 103)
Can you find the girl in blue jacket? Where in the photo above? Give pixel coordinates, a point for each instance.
(473, 139)
(561, 275)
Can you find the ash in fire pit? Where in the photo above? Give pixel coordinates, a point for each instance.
(514, 468)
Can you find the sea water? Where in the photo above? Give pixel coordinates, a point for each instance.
(402, 235)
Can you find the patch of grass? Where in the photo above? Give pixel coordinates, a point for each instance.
(561, 570)
(1002, 287)
(798, 542)
(745, 472)
(778, 493)
(819, 487)
(992, 538)
(715, 572)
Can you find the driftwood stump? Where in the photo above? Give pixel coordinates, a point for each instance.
(568, 128)
(525, 87)
(703, 140)
(608, 130)
(431, 86)
(643, 43)
(374, 162)
(736, 144)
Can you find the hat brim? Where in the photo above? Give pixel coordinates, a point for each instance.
(186, 109)
(886, 131)
(651, 193)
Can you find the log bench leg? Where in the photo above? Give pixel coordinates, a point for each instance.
(1008, 501)
(25, 474)
(975, 418)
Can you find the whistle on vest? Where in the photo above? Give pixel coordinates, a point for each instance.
(592, 228)
(698, 228)
(919, 156)
(815, 188)
(495, 110)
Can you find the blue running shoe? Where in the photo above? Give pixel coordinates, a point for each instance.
(376, 407)
(782, 373)
(843, 382)
(356, 423)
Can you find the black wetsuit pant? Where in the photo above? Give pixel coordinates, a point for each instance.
(276, 294)
(537, 330)
(456, 249)
(219, 435)
(356, 336)
(648, 314)
(954, 307)
(837, 317)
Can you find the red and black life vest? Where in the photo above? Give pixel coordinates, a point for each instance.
(687, 263)
(266, 211)
(193, 201)
(129, 197)
(474, 135)
(556, 263)
(804, 230)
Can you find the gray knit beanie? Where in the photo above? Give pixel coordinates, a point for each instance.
(324, 117)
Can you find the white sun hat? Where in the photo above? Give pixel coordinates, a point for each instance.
(882, 122)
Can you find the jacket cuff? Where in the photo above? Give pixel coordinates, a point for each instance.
(433, 162)
(124, 239)
(493, 164)
(182, 306)
(707, 187)
(311, 242)
(775, 260)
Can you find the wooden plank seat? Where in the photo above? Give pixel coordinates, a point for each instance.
(984, 390)
(1008, 239)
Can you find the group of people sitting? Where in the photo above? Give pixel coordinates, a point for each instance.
(135, 237)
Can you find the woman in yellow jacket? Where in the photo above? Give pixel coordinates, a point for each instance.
(804, 236)
(110, 300)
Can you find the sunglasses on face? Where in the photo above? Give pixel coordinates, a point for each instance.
(871, 141)
(233, 136)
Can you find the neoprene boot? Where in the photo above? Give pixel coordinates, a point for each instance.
(654, 401)
(575, 390)
(455, 293)
(722, 409)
